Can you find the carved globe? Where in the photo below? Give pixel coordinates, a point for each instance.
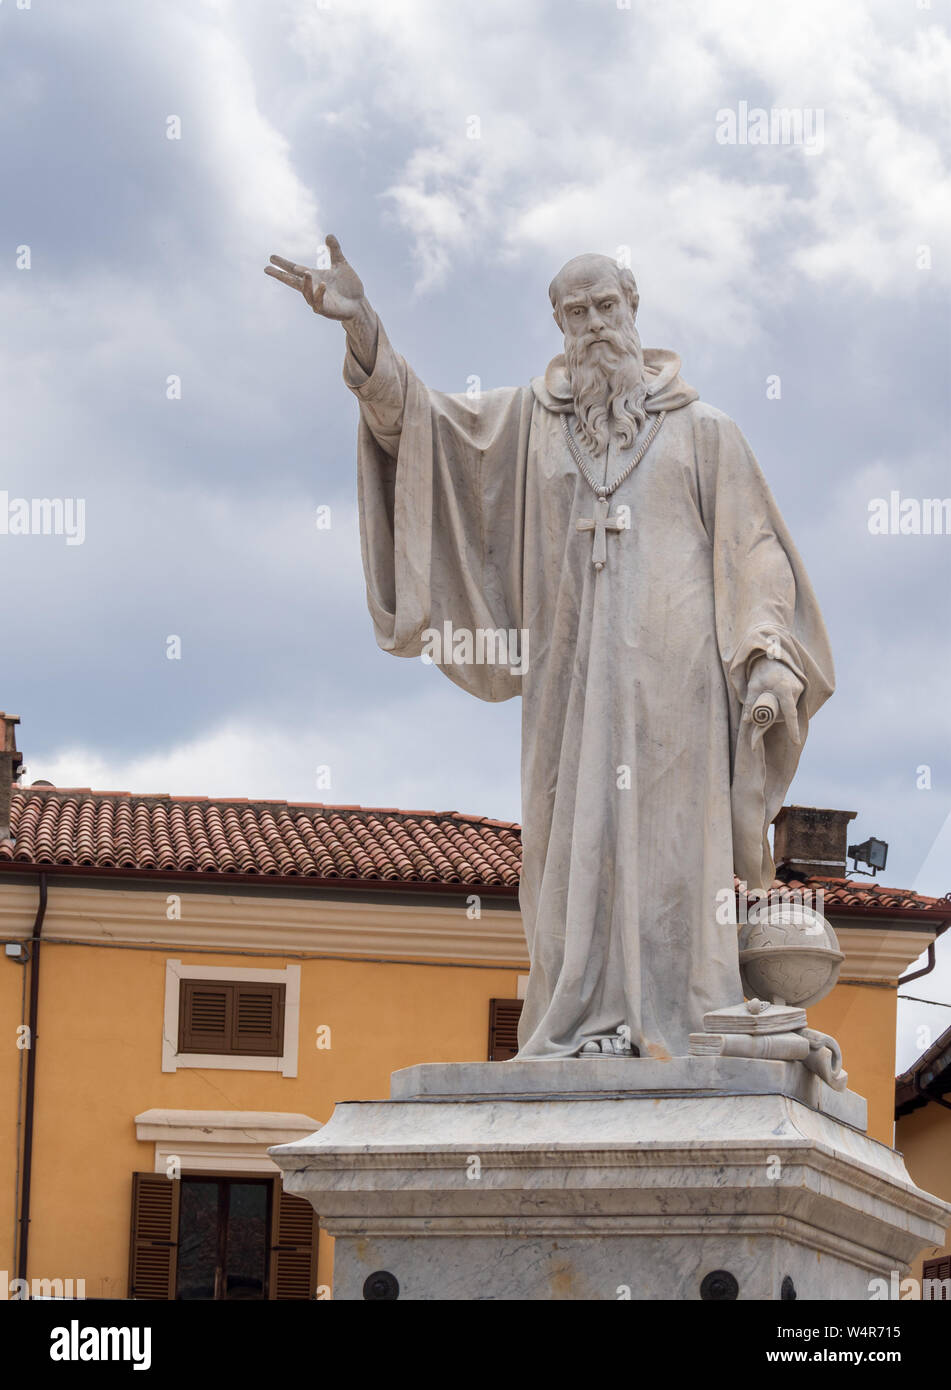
(789, 954)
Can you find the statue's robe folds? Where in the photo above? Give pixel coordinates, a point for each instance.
(641, 788)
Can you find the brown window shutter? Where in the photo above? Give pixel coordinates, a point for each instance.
(504, 1015)
(259, 1020)
(227, 1018)
(293, 1246)
(206, 1013)
(940, 1269)
(153, 1244)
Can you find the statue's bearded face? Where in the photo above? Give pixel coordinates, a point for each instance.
(595, 308)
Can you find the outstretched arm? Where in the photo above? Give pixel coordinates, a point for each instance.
(335, 293)
(373, 371)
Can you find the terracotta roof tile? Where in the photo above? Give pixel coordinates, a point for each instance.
(848, 893)
(73, 827)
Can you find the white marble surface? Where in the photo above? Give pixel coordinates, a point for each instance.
(603, 1263)
(573, 1197)
(617, 1075)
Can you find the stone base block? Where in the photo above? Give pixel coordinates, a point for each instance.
(583, 1076)
(614, 1185)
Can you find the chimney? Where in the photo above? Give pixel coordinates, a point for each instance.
(10, 761)
(809, 842)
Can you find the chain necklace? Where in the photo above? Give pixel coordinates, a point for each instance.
(601, 523)
(604, 489)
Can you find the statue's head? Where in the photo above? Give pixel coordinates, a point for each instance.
(595, 306)
(593, 289)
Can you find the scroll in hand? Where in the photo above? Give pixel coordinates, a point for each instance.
(763, 714)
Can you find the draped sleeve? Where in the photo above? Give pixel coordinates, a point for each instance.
(441, 488)
(765, 606)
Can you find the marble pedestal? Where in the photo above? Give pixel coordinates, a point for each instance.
(613, 1178)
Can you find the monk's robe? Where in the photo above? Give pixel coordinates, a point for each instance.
(642, 789)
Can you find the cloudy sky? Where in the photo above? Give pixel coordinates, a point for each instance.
(823, 263)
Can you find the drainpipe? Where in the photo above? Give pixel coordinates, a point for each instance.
(917, 974)
(31, 1083)
(903, 980)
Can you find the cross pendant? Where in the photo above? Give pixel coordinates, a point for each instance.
(600, 524)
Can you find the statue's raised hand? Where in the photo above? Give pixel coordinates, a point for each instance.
(336, 293)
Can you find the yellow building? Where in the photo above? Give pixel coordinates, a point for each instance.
(923, 1134)
(198, 979)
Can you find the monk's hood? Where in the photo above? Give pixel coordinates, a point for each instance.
(666, 389)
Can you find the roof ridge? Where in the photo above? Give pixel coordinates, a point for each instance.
(940, 1045)
(195, 798)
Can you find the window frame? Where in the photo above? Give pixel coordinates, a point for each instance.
(173, 1058)
(153, 1242)
(225, 1183)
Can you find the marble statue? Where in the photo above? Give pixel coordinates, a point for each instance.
(676, 648)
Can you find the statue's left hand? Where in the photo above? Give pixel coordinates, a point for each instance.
(776, 678)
